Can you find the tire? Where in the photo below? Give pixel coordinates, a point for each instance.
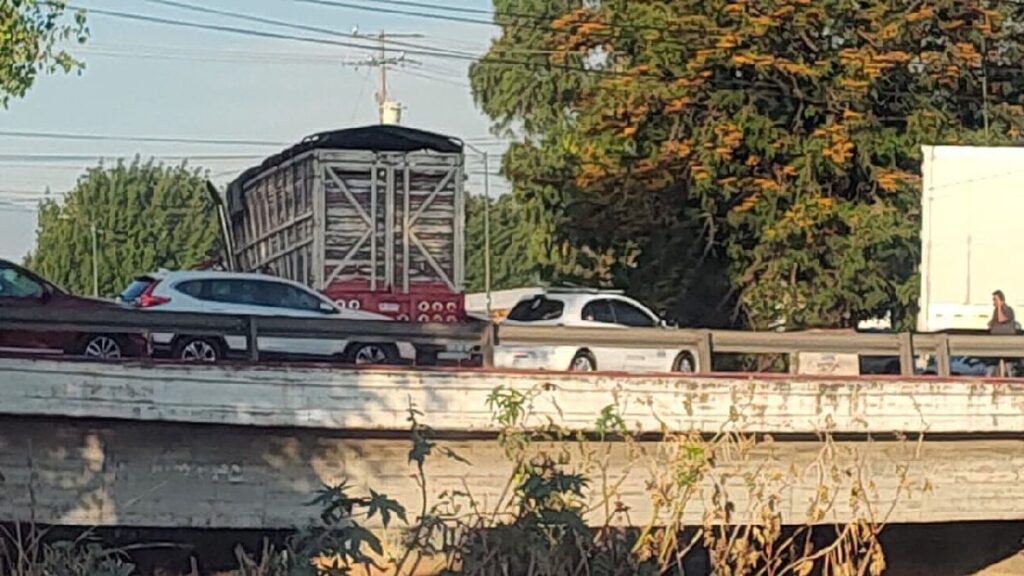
(102, 347)
(372, 354)
(198, 350)
(684, 364)
(583, 361)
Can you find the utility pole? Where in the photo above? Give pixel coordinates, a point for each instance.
(382, 94)
(382, 61)
(487, 222)
(984, 85)
(487, 232)
(95, 261)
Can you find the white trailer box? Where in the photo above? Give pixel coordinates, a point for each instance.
(971, 212)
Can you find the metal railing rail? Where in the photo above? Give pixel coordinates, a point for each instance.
(703, 343)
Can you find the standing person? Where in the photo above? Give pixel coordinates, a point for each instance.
(1002, 323)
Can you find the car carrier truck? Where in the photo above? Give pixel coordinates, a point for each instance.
(972, 203)
(372, 217)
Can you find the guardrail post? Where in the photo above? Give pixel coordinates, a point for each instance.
(942, 356)
(906, 354)
(487, 342)
(252, 340)
(705, 353)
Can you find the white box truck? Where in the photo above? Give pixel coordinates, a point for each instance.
(971, 213)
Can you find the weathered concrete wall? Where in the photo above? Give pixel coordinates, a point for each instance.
(176, 475)
(216, 446)
(333, 398)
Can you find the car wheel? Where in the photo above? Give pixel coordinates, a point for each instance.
(102, 347)
(198, 350)
(372, 354)
(583, 361)
(684, 363)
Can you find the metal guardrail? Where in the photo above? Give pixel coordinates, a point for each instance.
(130, 321)
(704, 343)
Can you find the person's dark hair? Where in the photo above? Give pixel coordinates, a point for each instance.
(999, 294)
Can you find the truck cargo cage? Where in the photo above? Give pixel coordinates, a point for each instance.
(373, 217)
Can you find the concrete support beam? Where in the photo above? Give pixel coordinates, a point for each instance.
(148, 474)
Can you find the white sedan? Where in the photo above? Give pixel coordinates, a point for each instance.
(256, 295)
(590, 309)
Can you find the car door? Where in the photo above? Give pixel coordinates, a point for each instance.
(274, 298)
(639, 359)
(599, 314)
(19, 290)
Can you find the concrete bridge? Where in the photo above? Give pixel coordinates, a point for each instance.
(245, 447)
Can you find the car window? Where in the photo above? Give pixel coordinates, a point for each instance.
(279, 295)
(15, 284)
(598, 311)
(193, 288)
(231, 292)
(536, 309)
(135, 289)
(302, 300)
(629, 315)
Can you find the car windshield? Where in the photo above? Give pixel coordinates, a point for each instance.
(14, 284)
(536, 309)
(135, 289)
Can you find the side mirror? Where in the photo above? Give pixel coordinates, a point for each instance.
(47, 294)
(326, 308)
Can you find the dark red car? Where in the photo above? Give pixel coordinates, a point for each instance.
(20, 288)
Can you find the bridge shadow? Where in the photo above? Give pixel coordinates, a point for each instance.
(987, 548)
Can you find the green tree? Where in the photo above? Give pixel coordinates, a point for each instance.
(511, 267)
(147, 216)
(752, 162)
(33, 38)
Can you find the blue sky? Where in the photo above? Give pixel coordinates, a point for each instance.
(144, 79)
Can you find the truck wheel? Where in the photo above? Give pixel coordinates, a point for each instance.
(583, 361)
(202, 350)
(372, 354)
(102, 347)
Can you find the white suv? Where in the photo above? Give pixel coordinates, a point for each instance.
(590, 309)
(257, 295)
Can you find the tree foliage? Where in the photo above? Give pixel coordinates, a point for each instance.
(750, 162)
(33, 36)
(510, 233)
(147, 216)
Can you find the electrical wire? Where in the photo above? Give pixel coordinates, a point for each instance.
(129, 138)
(292, 25)
(435, 78)
(92, 157)
(336, 4)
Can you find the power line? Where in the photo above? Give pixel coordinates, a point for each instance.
(262, 33)
(30, 193)
(286, 24)
(435, 78)
(217, 56)
(436, 6)
(537, 21)
(127, 138)
(432, 73)
(336, 4)
(93, 157)
(425, 53)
